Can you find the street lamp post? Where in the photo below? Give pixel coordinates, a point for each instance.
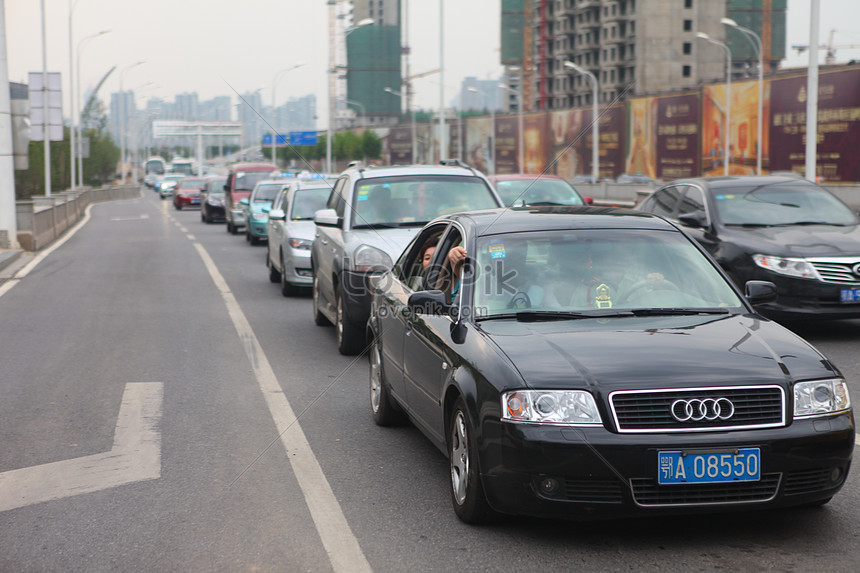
(490, 104)
(79, 151)
(595, 120)
(274, 123)
(414, 130)
(122, 118)
(72, 95)
(756, 41)
(726, 137)
(332, 70)
(443, 144)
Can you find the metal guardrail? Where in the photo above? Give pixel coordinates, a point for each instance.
(42, 219)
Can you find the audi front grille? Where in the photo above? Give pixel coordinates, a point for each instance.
(698, 409)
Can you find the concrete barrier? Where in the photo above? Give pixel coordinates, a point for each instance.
(42, 219)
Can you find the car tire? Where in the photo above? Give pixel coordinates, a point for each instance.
(385, 411)
(467, 493)
(286, 288)
(233, 229)
(274, 275)
(350, 338)
(319, 318)
(177, 206)
(203, 217)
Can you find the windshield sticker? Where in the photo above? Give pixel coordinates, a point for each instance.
(363, 194)
(497, 250)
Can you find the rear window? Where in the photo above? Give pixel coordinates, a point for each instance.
(538, 192)
(415, 200)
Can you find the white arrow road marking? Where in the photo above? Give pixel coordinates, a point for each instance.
(135, 456)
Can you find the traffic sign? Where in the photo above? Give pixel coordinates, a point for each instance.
(303, 138)
(281, 142)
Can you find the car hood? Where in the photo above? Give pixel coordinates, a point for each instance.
(799, 241)
(392, 241)
(656, 352)
(300, 230)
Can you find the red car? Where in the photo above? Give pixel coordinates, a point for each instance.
(187, 192)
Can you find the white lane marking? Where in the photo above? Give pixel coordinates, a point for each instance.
(192, 237)
(338, 540)
(135, 218)
(135, 456)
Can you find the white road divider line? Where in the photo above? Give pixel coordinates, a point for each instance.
(338, 540)
(135, 456)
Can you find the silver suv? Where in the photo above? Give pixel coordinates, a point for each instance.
(371, 215)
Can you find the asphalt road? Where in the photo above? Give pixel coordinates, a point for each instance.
(145, 300)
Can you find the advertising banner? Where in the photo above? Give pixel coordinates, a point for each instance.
(534, 141)
(567, 142)
(479, 140)
(611, 128)
(838, 125)
(678, 136)
(641, 137)
(506, 144)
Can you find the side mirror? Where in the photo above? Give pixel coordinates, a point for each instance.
(327, 218)
(277, 215)
(589, 200)
(760, 292)
(427, 302)
(244, 201)
(226, 188)
(696, 219)
(265, 209)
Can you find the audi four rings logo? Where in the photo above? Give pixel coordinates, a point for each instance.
(856, 269)
(696, 410)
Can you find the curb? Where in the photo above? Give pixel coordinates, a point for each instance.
(9, 256)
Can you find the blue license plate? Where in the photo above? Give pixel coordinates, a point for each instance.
(195, 201)
(849, 295)
(709, 467)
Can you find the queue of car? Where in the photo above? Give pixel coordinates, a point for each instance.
(574, 361)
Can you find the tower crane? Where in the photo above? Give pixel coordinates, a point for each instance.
(831, 48)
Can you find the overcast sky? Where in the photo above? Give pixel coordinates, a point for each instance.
(220, 47)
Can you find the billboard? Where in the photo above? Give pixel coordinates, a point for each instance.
(641, 137)
(400, 145)
(677, 140)
(506, 144)
(838, 125)
(534, 139)
(479, 141)
(567, 142)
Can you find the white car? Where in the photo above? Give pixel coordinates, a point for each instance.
(291, 231)
(168, 183)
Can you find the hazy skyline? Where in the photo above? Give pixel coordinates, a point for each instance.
(224, 48)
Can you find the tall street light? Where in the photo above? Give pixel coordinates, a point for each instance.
(274, 123)
(726, 138)
(595, 120)
(443, 144)
(332, 70)
(122, 118)
(490, 104)
(756, 41)
(414, 129)
(72, 94)
(80, 103)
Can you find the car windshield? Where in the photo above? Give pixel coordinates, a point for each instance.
(596, 270)
(537, 191)
(782, 204)
(415, 200)
(216, 186)
(246, 180)
(191, 183)
(306, 202)
(267, 193)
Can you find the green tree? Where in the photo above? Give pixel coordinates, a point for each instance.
(371, 145)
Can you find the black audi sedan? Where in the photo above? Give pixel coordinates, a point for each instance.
(777, 228)
(582, 362)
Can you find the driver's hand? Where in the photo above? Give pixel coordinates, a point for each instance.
(456, 256)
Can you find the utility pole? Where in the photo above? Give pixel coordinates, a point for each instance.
(8, 221)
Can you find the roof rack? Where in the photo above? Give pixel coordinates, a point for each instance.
(453, 163)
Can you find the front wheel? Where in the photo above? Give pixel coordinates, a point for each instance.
(274, 274)
(286, 288)
(467, 493)
(350, 338)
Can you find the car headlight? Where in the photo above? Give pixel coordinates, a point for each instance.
(259, 216)
(786, 266)
(820, 397)
(301, 244)
(561, 407)
(368, 259)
